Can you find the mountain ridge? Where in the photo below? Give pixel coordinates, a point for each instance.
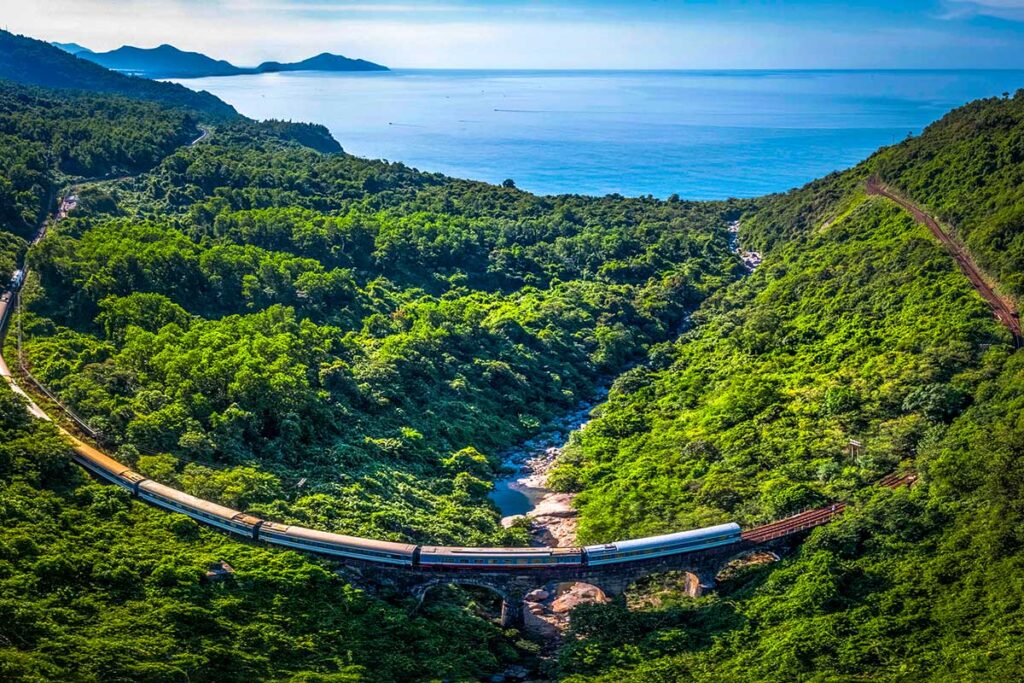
(29, 61)
(73, 48)
(168, 61)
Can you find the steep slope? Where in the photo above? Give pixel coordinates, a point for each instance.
(857, 326)
(968, 170)
(32, 62)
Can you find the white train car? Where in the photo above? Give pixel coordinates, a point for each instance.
(660, 546)
(442, 557)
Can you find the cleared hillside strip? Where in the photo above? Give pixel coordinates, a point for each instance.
(1002, 306)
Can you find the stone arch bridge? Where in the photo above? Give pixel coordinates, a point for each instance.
(701, 567)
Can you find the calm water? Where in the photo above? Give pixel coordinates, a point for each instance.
(513, 499)
(701, 135)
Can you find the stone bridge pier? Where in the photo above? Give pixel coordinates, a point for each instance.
(700, 568)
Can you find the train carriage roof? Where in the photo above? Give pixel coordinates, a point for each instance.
(730, 529)
(518, 552)
(99, 458)
(190, 501)
(338, 539)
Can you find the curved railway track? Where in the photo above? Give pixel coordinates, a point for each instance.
(1002, 307)
(382, 552)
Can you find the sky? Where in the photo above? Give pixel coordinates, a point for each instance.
(540, 34)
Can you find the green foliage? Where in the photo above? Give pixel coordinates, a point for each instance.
(96, 586)
(259, 306)
(46, 135)
(839, 335)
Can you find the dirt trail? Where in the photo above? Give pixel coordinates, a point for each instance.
(1002, 307)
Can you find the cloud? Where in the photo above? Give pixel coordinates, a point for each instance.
(1001, 9)
(342, 7)
(251, 31)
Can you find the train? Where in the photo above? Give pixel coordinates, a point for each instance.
(424, 557)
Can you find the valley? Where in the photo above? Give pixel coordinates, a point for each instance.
(246, 313)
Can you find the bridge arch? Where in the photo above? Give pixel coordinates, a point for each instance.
(511, 599)
(745, 558)
(666, 579)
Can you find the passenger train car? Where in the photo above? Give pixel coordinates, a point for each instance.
(436, 557)
(426, 558)
(337, 544)
(660, 546)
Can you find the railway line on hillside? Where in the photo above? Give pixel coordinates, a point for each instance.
(1002, 307)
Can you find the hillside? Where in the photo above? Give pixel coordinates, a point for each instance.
(352, 345)
(32, 62)
(167, 61)
(322, 62)
(49, 135)
(856, 326)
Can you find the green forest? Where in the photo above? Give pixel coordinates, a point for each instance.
(265, 321)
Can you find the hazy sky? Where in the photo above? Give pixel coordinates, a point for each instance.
(542, 34)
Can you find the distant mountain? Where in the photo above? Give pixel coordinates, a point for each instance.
(34, 62)
(73, 48)
(168, 61)
(165, 61)
(324, 61)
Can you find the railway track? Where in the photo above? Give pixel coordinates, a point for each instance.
(817, 516)
(785, 527)
(1003, 309)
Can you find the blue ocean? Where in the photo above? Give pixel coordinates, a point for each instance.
(698, 134)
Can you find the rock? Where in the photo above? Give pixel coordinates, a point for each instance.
(507, 522)
(537, 595)
(577, 594)
(517, 672)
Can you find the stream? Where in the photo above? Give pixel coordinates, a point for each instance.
(524, 492)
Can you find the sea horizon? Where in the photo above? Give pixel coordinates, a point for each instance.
(701, 134)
